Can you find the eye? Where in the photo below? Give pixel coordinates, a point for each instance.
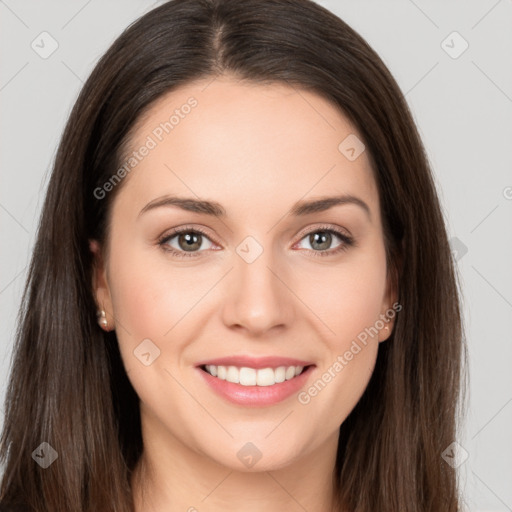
(321, 239)
(188, 242)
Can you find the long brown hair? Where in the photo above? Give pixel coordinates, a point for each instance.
(68, 386)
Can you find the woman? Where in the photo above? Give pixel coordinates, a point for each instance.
(242, 295)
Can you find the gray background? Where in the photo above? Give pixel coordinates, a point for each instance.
(463, 107)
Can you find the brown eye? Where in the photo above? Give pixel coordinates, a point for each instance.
(190, 241)
(185, 242)
(320, 241)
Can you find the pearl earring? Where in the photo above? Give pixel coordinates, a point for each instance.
(102, 319)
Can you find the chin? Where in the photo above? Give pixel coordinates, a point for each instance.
(257, 456)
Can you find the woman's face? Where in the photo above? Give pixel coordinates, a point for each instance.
(256, 282)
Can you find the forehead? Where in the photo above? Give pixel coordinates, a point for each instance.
(246, 145)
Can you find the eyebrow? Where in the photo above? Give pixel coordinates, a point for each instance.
(300, 208)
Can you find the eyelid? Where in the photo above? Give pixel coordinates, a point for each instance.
(342, 233)
(186, 229)
(322, 226)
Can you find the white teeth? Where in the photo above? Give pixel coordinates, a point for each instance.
(290, 372)
(221, 372)
(280, 374)
(248, 376)
(265, 377)
(233, 374)
(252, 377)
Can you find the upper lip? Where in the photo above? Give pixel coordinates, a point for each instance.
(255, 362)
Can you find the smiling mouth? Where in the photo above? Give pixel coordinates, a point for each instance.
(246, 376)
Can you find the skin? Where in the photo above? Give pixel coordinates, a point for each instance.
(256, 150)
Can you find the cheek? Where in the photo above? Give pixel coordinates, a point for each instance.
(149, 296)
(350, 305)
(348, 297)
(348, 300)
(147, 303)
(154, 300)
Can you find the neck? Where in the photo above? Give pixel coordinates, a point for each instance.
(171, 476)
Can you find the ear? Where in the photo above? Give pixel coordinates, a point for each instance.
(100, 285)
(390, 305)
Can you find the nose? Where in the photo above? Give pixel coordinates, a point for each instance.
(257, 297)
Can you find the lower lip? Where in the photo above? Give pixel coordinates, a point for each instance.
(256, 395)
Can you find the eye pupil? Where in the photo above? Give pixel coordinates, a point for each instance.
(323, 238)
(191, 241)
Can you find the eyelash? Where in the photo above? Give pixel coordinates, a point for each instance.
(347, 241)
